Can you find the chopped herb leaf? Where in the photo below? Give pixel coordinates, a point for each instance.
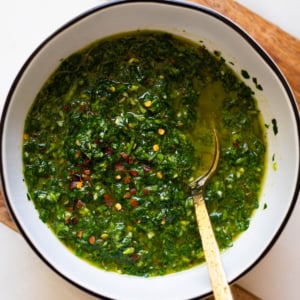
(245, 74)
(275, 126)
(117, 133)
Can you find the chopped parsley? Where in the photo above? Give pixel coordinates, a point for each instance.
(117, 133)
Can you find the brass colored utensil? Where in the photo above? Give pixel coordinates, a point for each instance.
(211, 250)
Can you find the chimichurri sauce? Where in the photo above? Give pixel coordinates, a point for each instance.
(117, 133)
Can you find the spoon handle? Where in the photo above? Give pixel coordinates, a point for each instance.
(218, 280)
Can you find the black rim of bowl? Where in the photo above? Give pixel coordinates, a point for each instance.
(188, 5)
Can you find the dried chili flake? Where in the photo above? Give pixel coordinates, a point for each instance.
(108, 200)
(124, 155)
(146, 168)
(134, 202)
(130, 160)
(120, 167)
(133, 173)
(92, 239)
(127, 180)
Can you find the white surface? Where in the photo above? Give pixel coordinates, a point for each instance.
(276, 277)
(24, 276)
(283, 13)
(23, 26)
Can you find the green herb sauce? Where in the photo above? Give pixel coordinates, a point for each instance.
(117, 133)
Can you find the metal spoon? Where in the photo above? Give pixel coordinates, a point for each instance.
(211, 250)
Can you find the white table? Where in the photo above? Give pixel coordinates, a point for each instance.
(23, 26)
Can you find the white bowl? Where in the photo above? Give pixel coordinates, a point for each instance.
(276, 101)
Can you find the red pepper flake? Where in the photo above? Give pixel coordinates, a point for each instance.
(87, 178)
(92, 239)
(127, 180)
(120, 167)
(124, 155)
(87, 172)
(127, 195)
(133, 191)
(146, 191)
(79, 203)
(43, 149)
(134, 202)
(236, 145)
(146, 168)
(107, 199)
(133, 173)
(82, 107)
(130, 160)
(135, 256)
(66, 107)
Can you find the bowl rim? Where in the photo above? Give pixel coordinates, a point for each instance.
(190, 5)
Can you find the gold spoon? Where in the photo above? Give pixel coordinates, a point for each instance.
(211, 250)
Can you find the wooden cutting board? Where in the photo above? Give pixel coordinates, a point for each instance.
(282, 47)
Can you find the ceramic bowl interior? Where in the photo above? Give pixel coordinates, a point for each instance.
(275, 102)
